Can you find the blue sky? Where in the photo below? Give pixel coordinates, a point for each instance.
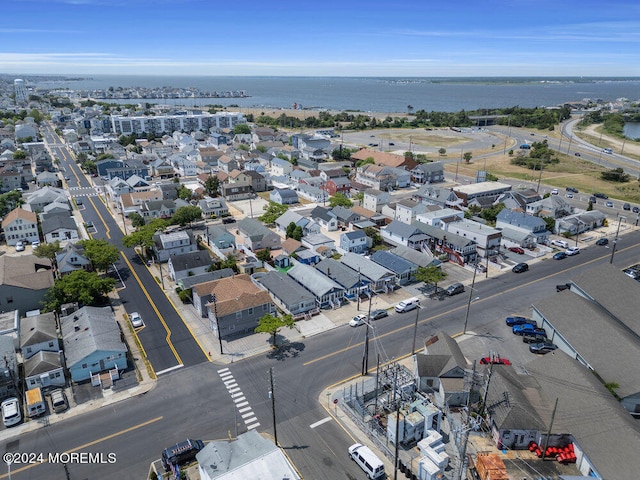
(329, 37)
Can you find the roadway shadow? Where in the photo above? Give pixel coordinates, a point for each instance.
(287, 350)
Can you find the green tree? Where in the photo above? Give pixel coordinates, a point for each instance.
(358, 197)
(272, 212)
(297, 233)
(551, 223)
(289, 230)
(100, 252)
(230, 262)
(467, 157)
(211, 186)
(48, 250)
(615, 175)
(241, 128)
(19, 155)
(366, 161)
(187, 214)
(87, 288)
(442, 151)
(430, 275)
(340, 199)
(184, 193)
(272, 325)
(137, 220)
(374, 235)
(263, 255)
(143, 236)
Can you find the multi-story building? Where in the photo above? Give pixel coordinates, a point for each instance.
(158, 124)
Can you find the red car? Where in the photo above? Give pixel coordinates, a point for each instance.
(517, 250)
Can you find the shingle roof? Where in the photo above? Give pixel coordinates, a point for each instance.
(253, 228)
(19, 213)
(57, 221)
(324, 214)
(520, 219)
(186, 261)
(189, 282)
(355, 235)
(237, 293)
(313, 280)
(26, 271)
(38, 329)
(41, 362)
(367, 267)
(393, 262)
(285, 288)
(339, 273)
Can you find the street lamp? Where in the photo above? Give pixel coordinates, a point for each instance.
(615, 240)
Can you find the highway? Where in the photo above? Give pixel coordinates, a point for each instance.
(193, 402)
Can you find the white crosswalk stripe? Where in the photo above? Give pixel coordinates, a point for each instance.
(241, 403)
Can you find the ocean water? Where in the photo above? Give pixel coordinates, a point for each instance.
(370, 94)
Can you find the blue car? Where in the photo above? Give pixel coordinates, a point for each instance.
(511, 321)
(559, 256)
(527, 328)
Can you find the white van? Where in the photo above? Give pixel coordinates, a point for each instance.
(560, 243)
(363, 456)
(408, 305)
(59, 401)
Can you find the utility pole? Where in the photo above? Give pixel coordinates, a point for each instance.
(214, 300)
(415, 331)
(357, 289)
(466, 317)
(161, 276)
(546, 440)
(365, 354)
(395, 455)
(273, 406)
(615, 240)
(375, 405)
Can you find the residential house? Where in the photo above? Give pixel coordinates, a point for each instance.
(59, 227)
(255, 179)
(384, 158)
(381, 178)
(284, 196)
(398, 233)
(281, 167)
(490, 190)
(187, 283)
(24, 281)
(213, 207)
(553, 206)
(9, 376)
(356, 242)
(134, 201)
(107, 163)
(187, 264)
(345, 216)
(116, 187)
(250, 455)
(368, 218)
(325, 218)
(458, 249)
(43, 197)
(407, 209)
(162, 169)
(518, 199)
(309, 257)
(158, 209)
(44, 370)
(255, 236)
(291, 246)
(441, 370)
(402, 268)
(175, 243)
(349, 279)
(227, 164)
(443, 197)
(39, 333)
(328, 294)
(92, 342)
(488, 239)
(237, 191)
(236, 305)
(48, 178)
(308, 226)
(426, 173)
(420, 258)
(20, 225)
(521, 229)
(440, 217)
(201, 290)
(337, 185)
(72, 258)
(380, 279)
(580, 222)
(319, 243)
(297, 175)
(311, 193)
(220, 240)
(374, 199)
(288, 294)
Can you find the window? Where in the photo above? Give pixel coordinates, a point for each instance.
(265, 307)
(84, 365)
(251, 311)
(50, 344)
(238, 314)
(9, 299)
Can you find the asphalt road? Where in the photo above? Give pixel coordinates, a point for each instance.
(193, 402)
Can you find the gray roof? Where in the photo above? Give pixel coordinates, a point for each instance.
(603, 429)
(345, 276)
(186, 261)
(323, 214)
(356, 234)
(290, 216)
(215, 232)
(316, 239)
(56, 221)
(439, 234)
(97, 330)
(41, 362)
(286, 193)
(343, 213)
(253, 229)
(520, 219)
(368, 268)
(430, 167)
(189, 282)
(248, 456)
(313, 280)
(414, 256)
(393, 262)
(38, 329)
(443, 356)
(285, 288)
(404, 230)
(576, 319)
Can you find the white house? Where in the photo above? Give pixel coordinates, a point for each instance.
(18, 225)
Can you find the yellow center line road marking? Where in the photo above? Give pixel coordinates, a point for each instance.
(155, 309)
(108, 232)
(461, 307)
(86, 445)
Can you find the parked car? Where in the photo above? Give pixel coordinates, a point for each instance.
(559, 256)
(600, 195)
(11, 412)
(609, 204)
(517, 250)
(35, 243)
(571, 251)
(136, 320)
(572, 189)
(454, 289)
(516, 320)
(227, 220)
(527, 328)
(554, 191)
(519, 268)
(577, 154)
(358, 320)
(592, 199)
(542, 347)
(563, 286)
(20, 246)
(379, 313)
(560, 243)
(534, 338)
(635, 209)
(626, 206)
(602, 241)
